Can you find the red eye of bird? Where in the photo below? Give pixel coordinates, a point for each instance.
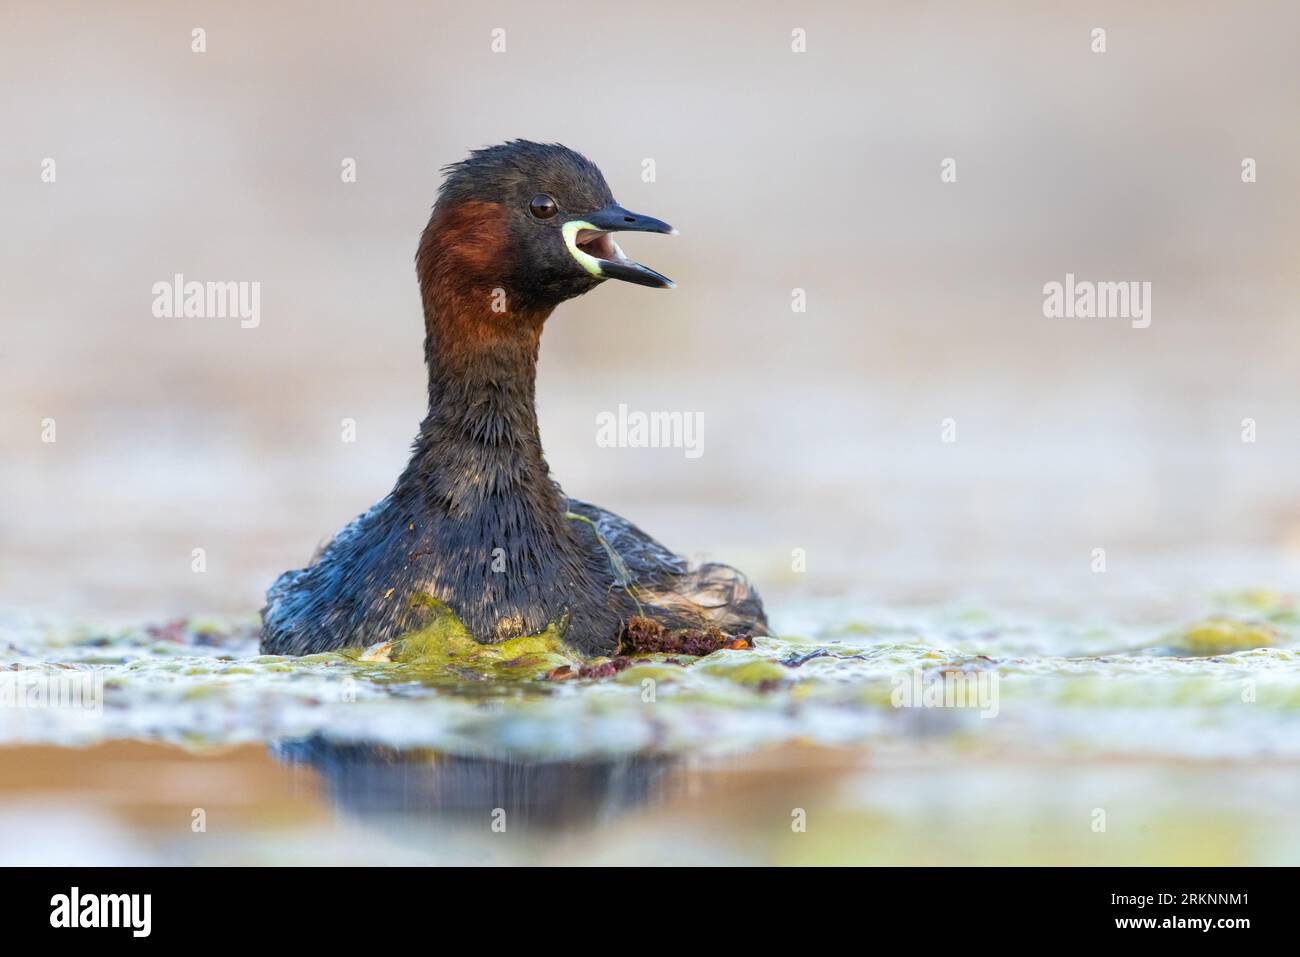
(542, 206)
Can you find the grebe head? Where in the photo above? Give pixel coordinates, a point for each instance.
(532, 223)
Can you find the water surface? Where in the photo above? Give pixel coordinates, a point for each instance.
(1159, 743)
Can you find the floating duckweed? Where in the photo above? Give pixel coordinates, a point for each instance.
(743, 669)
(1222, 635)
(199, 692)
(437, 687)
(648, 670)
(323, 658)
(445, 644)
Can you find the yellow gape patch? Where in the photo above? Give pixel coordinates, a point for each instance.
(587, 261)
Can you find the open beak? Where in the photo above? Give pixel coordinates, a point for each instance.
(591, 244)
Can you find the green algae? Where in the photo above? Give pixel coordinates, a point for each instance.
(622, 577)
(1185, 728)
(1222, 635)
(444, 644)
(1226, 684)
(743, 668)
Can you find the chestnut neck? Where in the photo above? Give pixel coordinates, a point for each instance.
(482, 412)
(479, 452)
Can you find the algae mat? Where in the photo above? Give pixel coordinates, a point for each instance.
(861, 735)
(1223, 684)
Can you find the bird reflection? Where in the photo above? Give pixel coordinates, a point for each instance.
(365, 780)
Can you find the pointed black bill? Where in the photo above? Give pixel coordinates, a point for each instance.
(590, 243)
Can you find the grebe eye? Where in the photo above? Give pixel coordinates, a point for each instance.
(542, 206)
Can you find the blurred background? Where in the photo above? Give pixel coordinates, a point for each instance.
(817, 170)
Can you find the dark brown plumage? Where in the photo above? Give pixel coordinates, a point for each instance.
(475, 520)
